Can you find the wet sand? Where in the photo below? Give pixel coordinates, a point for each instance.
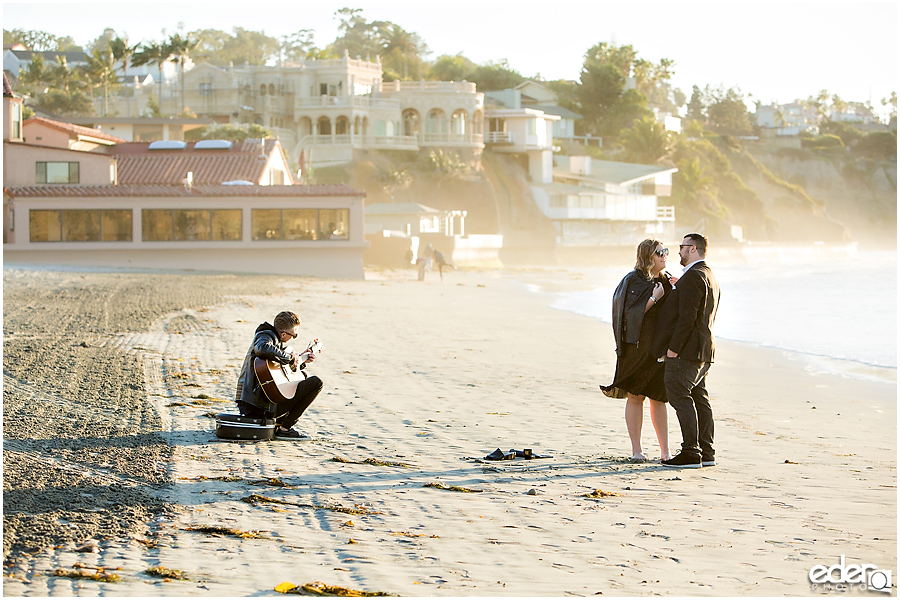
(110, 460)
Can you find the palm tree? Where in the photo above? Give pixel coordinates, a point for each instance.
(100, 67)
(647, 141)
(121, 51)
(36, 74)
(157, 54)
(693, 184)
(181, 48)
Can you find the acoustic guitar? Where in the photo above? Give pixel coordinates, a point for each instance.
(279, 382)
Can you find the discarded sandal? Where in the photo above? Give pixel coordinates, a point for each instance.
(499, 454)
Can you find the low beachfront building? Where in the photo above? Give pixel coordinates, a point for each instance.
(312, 230)
(209, 162)
(143, 129)
(598, 202)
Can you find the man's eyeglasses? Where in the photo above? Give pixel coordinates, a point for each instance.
(686, 245)
(293, 335)
(661, 252)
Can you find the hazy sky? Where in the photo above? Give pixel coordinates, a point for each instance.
(776, 51)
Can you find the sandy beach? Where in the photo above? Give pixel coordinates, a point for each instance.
(111, 462)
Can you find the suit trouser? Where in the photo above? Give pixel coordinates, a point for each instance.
(289, 412)
(686, 390)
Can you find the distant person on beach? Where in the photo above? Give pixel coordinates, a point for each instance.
(423, 263)
(270, 342)
(441, 262)
(639, 375)
(685, 337)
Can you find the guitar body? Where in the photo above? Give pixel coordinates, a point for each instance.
(278, 381)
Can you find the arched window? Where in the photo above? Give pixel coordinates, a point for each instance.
(365, 129)
(458, 123)
(271, 89)
(410, 122)
(341, 125)
(356, 125)
(324, 126)
(262, 89)
(436, 122)
(478, 123)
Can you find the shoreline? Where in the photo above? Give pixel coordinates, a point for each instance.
(435, 376)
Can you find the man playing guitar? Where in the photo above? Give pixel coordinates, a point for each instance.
(270, 344)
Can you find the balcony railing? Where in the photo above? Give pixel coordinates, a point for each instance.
(665, 213)
(451, 139)
(406, 142)
(500, 137)
(346, 102)
(428, 86)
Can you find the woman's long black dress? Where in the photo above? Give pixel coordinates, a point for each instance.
(637, 372)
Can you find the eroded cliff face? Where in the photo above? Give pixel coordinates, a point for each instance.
(860, 194)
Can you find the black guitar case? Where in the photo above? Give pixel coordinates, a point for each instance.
(240, 428)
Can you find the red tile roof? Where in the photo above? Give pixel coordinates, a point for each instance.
(243, 161)
(73, 130)
(197, 191)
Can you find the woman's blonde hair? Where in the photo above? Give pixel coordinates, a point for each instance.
(645, 251)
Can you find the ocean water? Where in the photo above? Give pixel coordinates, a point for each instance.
(839, 305)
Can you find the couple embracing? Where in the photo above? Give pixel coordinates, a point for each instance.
(663, 326)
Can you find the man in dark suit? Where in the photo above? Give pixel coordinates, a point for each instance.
(685, 336)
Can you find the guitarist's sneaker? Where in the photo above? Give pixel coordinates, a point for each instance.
(290, 434)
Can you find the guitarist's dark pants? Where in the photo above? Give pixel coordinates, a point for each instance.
(288, 412)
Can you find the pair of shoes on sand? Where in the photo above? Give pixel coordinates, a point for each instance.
(290, 434)
(686, 461)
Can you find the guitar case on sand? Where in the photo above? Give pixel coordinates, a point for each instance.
(238, 427)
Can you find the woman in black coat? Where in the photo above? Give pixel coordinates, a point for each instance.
(639, 375)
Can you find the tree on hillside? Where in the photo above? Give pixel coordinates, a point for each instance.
(122, 52)
(295, 46)
(647, 142)
(606, 105)
(35, 75)
(892, 102)
(234, 133)
(451, 68)
(100, 71)
(696, 107)
(182, 47)
(401, 50)
(495, 76)
(156, 53)
(357, 36)
(727, 113)
(40, 41)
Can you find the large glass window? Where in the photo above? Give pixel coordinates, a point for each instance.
(334, 224)
(57, 172)
(301, 224)
(80, 225)
(201, 225)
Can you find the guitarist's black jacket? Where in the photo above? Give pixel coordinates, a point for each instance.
(265, 345)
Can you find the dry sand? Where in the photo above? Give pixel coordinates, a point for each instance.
(119, 460)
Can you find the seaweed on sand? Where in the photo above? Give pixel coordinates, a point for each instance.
(221, 530)
(600, 494)
(82, 571)
(260, 499)
(321, 589)
(452, 488)
(372, 461)
(166, 573)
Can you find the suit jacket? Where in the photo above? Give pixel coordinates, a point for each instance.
(685, 323)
